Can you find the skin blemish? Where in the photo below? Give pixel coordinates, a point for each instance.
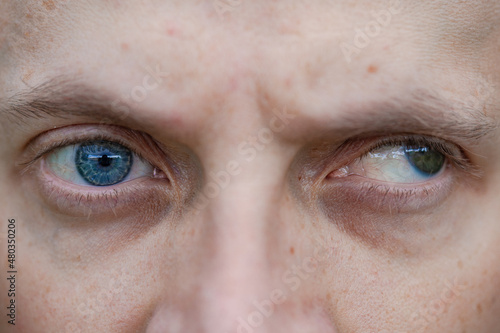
(124, 46)
(292, 250)
(171, 30)
(372, 69)
(460, 264)
(479, 308)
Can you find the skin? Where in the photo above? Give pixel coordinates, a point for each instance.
(275, 233)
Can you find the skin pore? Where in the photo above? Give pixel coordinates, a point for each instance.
(251, 115)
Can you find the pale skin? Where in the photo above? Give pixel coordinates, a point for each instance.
(250, 222)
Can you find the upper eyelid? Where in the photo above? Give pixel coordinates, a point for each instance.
(47, 142)
(454, 153)
(325, 158)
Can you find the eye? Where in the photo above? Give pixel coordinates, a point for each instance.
(97, 163)
(398, 164)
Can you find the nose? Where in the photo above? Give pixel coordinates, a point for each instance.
(246, 281)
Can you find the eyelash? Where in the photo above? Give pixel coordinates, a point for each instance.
(453, 153)
(402, 197)
(80, 200)
(68, 142)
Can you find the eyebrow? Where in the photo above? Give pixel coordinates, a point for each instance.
(62, 98)
(421, 111)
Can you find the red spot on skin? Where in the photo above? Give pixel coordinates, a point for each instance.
(292, 250)
(171, 32)
(372, 69)
(171, 29)
(125, 46)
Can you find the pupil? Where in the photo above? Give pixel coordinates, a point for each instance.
(105, 161)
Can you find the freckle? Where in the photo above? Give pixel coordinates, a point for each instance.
(372, 69)
(460, 264)
(328, 296)
(292, 250)
(479, 308)
(49, 5)
(124, 46)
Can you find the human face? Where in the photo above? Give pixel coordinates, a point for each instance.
(273, 153)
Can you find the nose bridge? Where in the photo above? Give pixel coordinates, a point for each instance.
(238, 223)
(238, 256)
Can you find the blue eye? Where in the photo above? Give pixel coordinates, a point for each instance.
(97, 163)
(103, 163)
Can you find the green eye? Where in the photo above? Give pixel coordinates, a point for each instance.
(425, 160)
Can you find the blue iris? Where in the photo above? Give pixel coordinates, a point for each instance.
(103, 163)
(425, 160)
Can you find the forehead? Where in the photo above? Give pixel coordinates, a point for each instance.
(199, 41)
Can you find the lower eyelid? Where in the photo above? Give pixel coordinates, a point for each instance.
(384, 197)
(114, 201)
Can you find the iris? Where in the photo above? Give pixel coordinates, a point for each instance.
(103, 163)
(425, 160)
